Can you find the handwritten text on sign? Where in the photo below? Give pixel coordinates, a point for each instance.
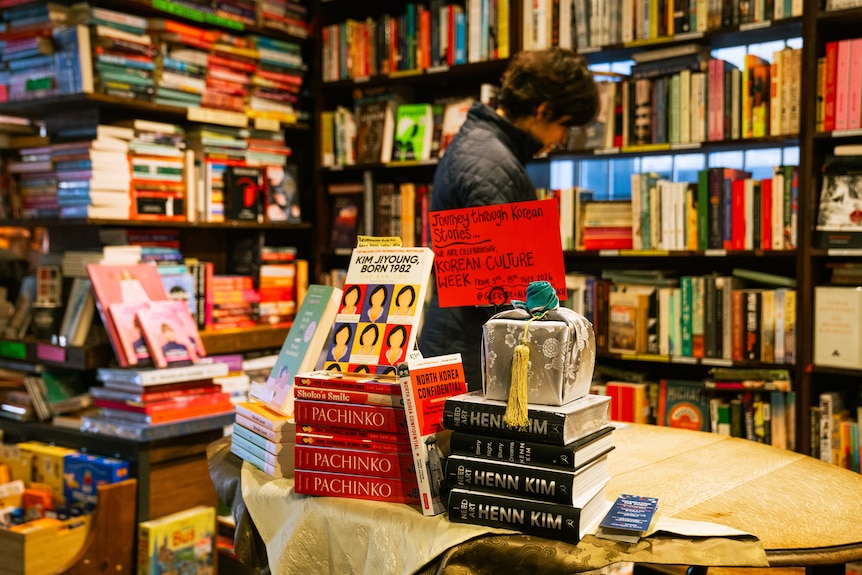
(490, 254)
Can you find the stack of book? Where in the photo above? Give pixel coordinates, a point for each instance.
(235, 302)
(148, 397)
(352, 438)
(123, 54)
(277, 285)
(265, 438)
(231, 62)
(181, 63)
(33, 173)
(161, 173)
(548, 479)
(285, 16)
(215, 149)
(277, 80)
(93, 175)
(29, 50)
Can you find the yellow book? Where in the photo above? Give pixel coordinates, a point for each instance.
(182, 542)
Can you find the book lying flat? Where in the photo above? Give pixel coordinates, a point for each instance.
(556, 425)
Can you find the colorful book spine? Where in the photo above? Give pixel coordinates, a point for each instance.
(342, 396)
(351, 416)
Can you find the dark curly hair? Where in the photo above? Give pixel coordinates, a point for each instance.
(558, 76)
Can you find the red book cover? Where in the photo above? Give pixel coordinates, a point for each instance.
(156, 393)
(830, 83)
(169, 404)
(356, 486)
(738, 223)
(336, 440)
(842, 85)
(171, 333)
(344, 396)
(765, 214)
(335, 380)
(351, 416)
(133, 283)
(355, 461)
(737, 325)
(166, 416)
(399, 437)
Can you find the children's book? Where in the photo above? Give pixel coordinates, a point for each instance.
(384, 292)
(132, 342)
(182, 542)
(425, 385)
(301, 349)
(172, 338)
(131, 283)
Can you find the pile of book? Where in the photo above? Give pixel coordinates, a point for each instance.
(545, 474)
(555, 470)
(352, 438)
(148, 403)
(265, 438)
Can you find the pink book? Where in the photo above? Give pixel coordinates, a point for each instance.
(842, 84)
(172, 338)
(131, 339)
(854, 87)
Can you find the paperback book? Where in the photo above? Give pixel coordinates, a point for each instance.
(425, 384)
(171, 333)
(629, 518)
(301, 349)
(376, 323)
(151, 376)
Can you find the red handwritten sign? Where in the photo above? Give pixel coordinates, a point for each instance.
(489, 254)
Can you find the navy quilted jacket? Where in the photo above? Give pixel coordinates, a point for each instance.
(484, 164)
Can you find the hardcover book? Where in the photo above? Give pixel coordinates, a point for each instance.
(426, 383)
(530, 481)
(384, 293)
(838, 223)
(837, 336)
(571, 456)
(414, 131)
(555, 425)
(375, 131)
(301, 349)
(243, 193)
(683, 404)
(182, 542)
(356, 486)
(566, 522)
(124, 316)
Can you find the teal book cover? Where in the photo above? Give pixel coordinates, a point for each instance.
(301, 348)
(684, 404)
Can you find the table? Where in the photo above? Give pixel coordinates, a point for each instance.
(800, 511)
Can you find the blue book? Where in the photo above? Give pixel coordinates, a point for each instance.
(460, 38)
(36, 61)
(72, 60)
(125, 62)
(629, 518)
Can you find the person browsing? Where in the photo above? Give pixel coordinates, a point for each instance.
(544, 93)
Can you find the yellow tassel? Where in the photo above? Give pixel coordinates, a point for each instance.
(516, 408)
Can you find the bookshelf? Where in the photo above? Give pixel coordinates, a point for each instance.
(805, 263)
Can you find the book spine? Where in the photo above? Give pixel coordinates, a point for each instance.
(338, 441)
(342, 396)
(351, 416)
(551, 485)
(356, 487)
(752, 324)
(550, 520)
(487, 419)
(355, 462)
(261, 441)
(399, 437)
(514, 451)
(274, 436)
(273, 423)
(346, 384)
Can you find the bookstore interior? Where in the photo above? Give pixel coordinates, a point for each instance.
(218, 250)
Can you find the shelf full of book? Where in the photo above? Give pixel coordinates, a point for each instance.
(832, 116)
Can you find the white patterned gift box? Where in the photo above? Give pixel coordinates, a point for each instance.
(562, 355)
